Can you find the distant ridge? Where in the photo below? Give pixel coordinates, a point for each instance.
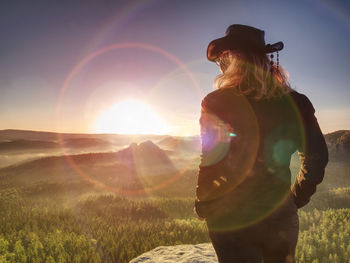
(26, 144)
(144, 159)
(13, 134)
(59, 163)
(85, 142)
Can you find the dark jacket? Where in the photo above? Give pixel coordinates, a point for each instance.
(246, 151)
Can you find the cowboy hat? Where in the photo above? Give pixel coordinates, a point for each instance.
(241, 38)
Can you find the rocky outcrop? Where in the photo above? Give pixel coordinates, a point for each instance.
(146, 158)
(201, 253)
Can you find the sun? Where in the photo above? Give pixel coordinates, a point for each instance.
(130, 117)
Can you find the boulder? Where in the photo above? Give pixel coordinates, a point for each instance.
(200, 253)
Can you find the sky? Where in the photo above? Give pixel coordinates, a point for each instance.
(64, 64)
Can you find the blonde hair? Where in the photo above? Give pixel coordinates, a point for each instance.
(250, 74)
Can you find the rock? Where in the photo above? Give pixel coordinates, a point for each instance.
(146, 158)
(201, 253)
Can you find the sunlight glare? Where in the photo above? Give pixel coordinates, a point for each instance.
(130, 117)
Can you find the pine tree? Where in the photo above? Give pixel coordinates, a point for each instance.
(20, 253)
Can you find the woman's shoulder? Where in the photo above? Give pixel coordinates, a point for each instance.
(302, 101)
(228, 99)
(220, 97)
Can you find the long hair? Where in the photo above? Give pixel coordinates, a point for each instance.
(250, 74)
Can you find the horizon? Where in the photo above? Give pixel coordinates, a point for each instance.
(126, 134)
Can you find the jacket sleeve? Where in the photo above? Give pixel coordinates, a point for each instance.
(215, 138)
(313, 156)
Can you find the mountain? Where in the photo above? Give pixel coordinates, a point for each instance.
(16, 145)
(123, 168)
(146, 158)
(332, 137)
(85, 143)
(31, 146)
(117, 139)
(11, 134)
(338, 143)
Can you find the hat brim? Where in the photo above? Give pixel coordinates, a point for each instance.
(217, 46)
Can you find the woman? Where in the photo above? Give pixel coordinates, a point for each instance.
(250, 127)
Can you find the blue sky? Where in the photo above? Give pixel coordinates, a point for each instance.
(43, 41)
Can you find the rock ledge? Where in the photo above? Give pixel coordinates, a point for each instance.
(201, 253)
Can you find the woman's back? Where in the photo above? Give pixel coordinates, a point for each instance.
(247, 147)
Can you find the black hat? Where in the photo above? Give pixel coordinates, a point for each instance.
(241, 38)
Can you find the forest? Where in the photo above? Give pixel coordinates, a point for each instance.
(108, 228)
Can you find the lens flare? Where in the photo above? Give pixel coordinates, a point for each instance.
(85, 174)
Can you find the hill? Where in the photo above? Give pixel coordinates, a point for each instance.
(11, 134)
(146, 158)
(120, 139)
(124, 169)
(17, 145)
(85, 143)
(332, 137)
(338, 143)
